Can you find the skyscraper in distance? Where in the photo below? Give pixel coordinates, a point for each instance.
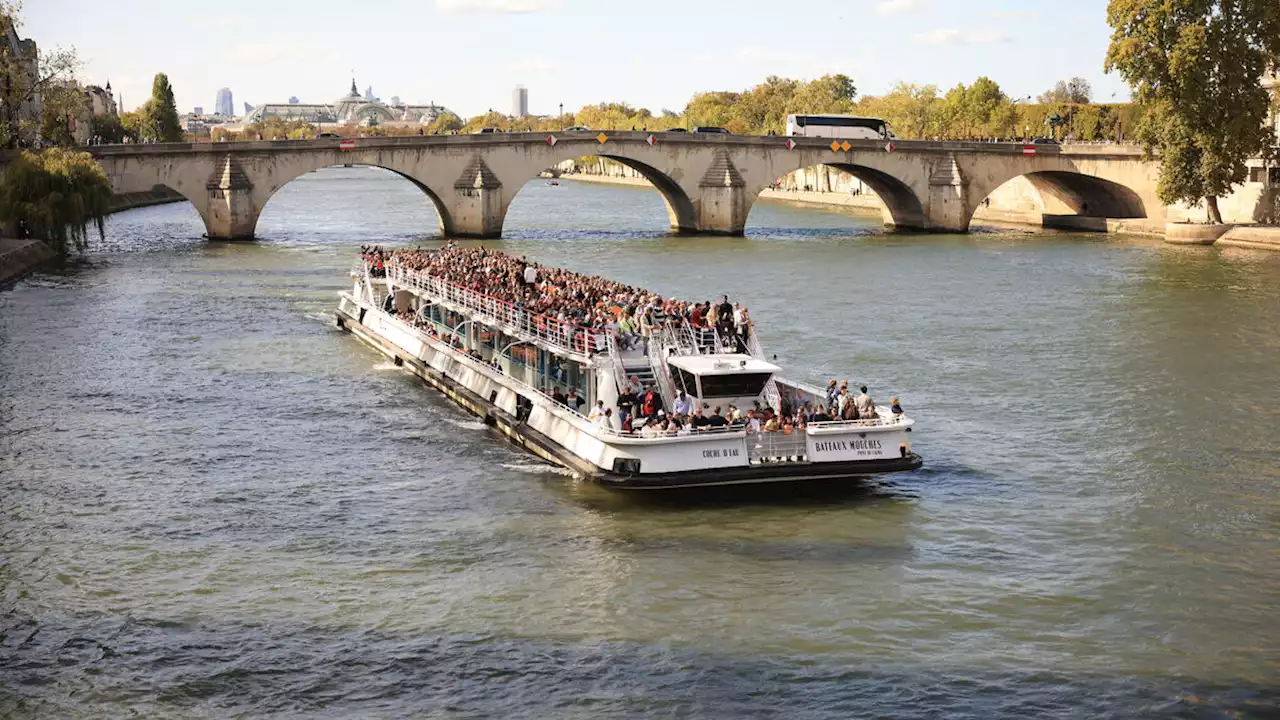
(520, 101)
(224, 105)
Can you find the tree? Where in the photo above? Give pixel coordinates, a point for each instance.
(160, 113)
(1196, 67)
(24, 77)
(134, 124)
(108, 129)
(54, 195)
(1076, 91)
(64, 106)
(444, 124)
(827, 94)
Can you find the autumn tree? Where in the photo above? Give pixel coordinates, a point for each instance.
(1196, 67)
(24, 77)
(1076, 91)
(444, 124)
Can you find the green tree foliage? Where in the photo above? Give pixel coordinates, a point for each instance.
(1076, 91)
(161, 113)
(107, 129)
(63, 107)
(1195, 66)
(54, 195)
(913, 111)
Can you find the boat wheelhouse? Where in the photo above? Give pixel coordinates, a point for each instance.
(501, 361)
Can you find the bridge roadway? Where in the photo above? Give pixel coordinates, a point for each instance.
(709, 182)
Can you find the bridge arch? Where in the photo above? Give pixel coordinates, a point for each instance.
(681, 212)
(1063, 193)
(263, 196)
(900, 207)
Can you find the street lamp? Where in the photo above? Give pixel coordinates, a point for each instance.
(561, 116)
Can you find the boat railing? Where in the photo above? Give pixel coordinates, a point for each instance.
(540, 398)
(771, 393)
(554, 333)
(662, 373)
(767, 447)
(615, 360)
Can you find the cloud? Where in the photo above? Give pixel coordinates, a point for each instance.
(951, 36)
(897, 7)
(501, 7)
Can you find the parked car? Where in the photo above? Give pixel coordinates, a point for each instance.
(486, 131)
(327, 135)
(1044, 141)
(577, 128)
(712, 130)
(676, 130)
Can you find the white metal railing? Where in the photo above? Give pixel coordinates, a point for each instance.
(615, 360)
(771, 393)
(777, 447)
(537, 397)
(500, 313)
(661, 373)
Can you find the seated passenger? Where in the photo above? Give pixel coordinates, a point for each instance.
(896, 409)
(717, 421)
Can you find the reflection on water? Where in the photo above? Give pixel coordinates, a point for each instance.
(215, 503)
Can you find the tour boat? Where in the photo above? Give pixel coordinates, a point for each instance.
(498, 360)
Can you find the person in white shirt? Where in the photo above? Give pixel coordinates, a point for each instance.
(530, 275)
(683, 404)
(597, 412)
(650, 429)
(866, 406)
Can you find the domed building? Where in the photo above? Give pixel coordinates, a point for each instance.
(350, 109)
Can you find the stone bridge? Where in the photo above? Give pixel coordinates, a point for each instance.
(709, 182)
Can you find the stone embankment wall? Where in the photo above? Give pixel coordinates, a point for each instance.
(19, 257)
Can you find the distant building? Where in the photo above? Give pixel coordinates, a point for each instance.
(293, 100)
(247, 109)
(29, 115)
(1271, 81)
(224, 104)
(520, 101)
(197, 110)
(395, 101)
(350, 109)
(368, 95)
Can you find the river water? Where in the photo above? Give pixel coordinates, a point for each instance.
(215, 504)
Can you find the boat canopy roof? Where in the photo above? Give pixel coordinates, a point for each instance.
(729, 364)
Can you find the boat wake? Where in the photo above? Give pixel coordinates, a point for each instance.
(538, 469)
(467, 424)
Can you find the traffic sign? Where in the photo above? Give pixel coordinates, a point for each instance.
(651, 140)
(347, 145)
(888, 147)
(791, 144)
(1028, 149)
(845, 146)
(551, 140)
(602, 138)
(835, 146)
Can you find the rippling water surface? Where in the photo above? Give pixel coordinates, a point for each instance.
(214, 504)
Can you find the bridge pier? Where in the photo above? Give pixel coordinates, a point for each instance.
(721, 203)
(948, 198)
(478, 210)
(230, 213)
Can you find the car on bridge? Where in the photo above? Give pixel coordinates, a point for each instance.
(675, 130)
(327, 135)
(577, 128)
(711, 130)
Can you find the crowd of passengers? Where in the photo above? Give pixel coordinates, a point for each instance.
(570, 299)
(641, 411)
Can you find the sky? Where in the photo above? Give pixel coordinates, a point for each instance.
(468, 55)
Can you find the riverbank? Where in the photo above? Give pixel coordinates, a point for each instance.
(159, 195)
(19, 257)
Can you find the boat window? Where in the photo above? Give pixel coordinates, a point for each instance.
(736, 385)
(684, 380)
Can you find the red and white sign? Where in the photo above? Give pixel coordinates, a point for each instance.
(347, 145)
(651, 140)
(791, 144)
(1028, 149)
(888, 147)
(551, 140)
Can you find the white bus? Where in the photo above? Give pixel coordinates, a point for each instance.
(838, 126)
